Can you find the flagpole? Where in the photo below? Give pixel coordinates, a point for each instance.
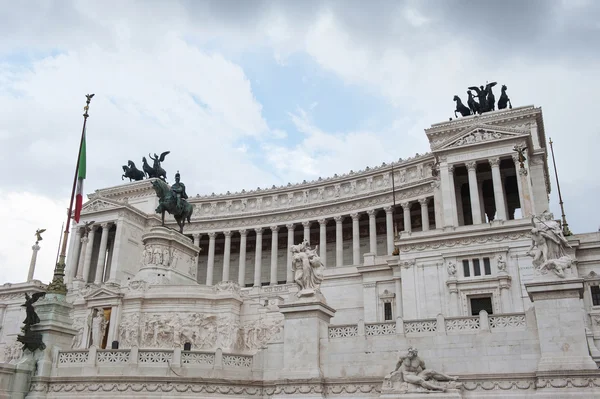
(58, 286)
(565, 225)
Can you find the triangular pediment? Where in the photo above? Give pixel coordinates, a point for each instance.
(100, 204)
(102, 293)
(479, 134)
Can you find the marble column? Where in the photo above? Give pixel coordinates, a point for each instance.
(437, 204)
(82, 256)
(75, 253)
(424, 213)
(226, 255)
(448, 194)
(242, 268)
(323, 241)
(290, 241)
(115, 253)
(274, 247)
(258, 258)
(372, 232)
(498, 189)
(88, 254)
(398, 297)
(524, 190)
(474, 192)
(407, 221)
(339, 241)
(196, 239)
(306, 226)
(453, 194)
(389, 229)
(113, 333)
(355, 240)
(102, 253)
(35, 248)
(210, 264)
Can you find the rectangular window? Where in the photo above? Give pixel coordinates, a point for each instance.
(479, 304)
(595, 295)
(387, 311)
(487, 269)
(466, 270)
(476, 268)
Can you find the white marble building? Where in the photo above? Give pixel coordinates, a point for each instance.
(447, 270)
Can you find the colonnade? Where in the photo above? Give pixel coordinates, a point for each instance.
(80, 267)
(476, 198)
(322, 242)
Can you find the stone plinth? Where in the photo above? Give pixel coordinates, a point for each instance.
(57, 332)
(169, 257)
(560, 323)
(306, 323)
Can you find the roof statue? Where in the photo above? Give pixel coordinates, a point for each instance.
(156, 170)
(173, 200)
(38, 235)
(486, 101)
(132, 172)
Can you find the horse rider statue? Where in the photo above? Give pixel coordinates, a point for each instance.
(178, 189)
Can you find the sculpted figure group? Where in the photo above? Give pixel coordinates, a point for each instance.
(203, 331)
(486, 101)
(307, 268)
(548, 246)
(133, 173)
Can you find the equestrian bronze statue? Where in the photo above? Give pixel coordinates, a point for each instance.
(173, 200)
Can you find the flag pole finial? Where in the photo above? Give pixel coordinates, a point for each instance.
(58, 286)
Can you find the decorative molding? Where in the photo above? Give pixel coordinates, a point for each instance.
(451, 243)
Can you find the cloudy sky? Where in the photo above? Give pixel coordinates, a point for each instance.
(255, 93)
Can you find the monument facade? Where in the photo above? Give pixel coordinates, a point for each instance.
(326, 289)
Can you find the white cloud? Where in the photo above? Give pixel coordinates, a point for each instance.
(23, 213)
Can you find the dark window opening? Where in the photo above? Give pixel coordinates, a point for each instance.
(476, 268)
(479, 304)
(487, 269)
(387, 311)
(466, 270)
(595, 295)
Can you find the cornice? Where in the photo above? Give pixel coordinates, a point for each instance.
(494, 117)
(330, 209)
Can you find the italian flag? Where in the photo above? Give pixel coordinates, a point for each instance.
(80, 179)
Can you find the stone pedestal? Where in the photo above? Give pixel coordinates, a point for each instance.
(306, 323)
(169, 258)
(57, 332)
(560, 322)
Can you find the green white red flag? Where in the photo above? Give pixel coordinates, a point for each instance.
(80, 179)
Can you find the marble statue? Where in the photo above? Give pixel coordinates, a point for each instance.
(548, 246)
(307, 268)
(98, 327)
(501, 264)
(411, 375)
(78, 326)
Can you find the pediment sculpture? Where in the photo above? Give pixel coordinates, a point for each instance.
(549, 247)
(412, 376)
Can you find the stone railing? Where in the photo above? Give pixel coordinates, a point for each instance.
(372, 329)
(507, 321)
(152, 357)
(450, 325)
(343, 331)
(72, 357)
